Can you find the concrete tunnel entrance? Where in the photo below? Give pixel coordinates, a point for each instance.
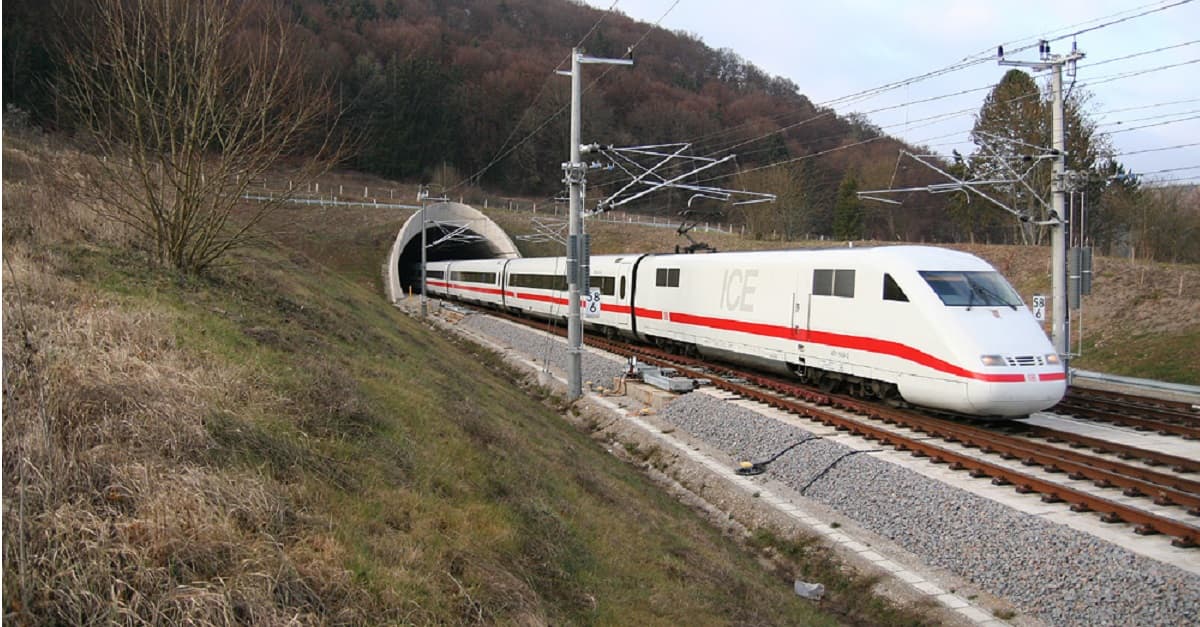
(452, 231)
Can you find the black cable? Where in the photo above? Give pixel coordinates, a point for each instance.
(835, 463)
(758, 468)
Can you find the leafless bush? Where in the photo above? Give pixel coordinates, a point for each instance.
(188, 103)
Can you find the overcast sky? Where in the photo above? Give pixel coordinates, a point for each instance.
(832, 50)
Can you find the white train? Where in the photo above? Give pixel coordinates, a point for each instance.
(928, 326)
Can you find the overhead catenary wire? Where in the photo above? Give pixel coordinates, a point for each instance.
(1138, 128)
(1067, 32)
(1092, 25)
(1138, 152)
(1090, 82)
(1148, 118)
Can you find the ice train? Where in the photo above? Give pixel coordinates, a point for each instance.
(922, 325)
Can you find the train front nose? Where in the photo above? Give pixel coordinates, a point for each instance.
(1037, 392)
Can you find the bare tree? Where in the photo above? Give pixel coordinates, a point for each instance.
(791, 213)
(188, 104)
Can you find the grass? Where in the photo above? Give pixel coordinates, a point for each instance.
(273, 443)
(1174, 357)
(848, 596)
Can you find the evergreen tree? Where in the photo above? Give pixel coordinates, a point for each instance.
(848, 211)
(1013, 135)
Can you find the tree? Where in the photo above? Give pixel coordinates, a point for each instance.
(1110, 220)
(408, 110)
(848, 211)
(790, 216)
(187, 103)
(1013, 135)
(1165, 224)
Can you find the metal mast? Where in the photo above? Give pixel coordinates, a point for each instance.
(1060, 323)
(423, 198)
(577, 258)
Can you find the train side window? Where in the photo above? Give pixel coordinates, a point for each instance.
(891, 290)
(622, 288)
(843, 283)
(822, 282)
(666, 277)
(539, 281)
(474, 277)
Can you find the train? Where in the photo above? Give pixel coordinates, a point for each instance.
(909, 325)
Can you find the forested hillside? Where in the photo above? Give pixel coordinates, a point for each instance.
(470, 84)
(465, 91)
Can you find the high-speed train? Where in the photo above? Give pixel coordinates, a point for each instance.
(927, 326)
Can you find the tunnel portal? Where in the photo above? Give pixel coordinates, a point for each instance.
(452, 231)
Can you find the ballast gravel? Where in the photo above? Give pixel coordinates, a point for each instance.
(1049, 571)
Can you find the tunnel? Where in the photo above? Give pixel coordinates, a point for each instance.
(452, 231)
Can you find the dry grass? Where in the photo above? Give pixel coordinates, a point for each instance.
(111, 514)
(273, 444)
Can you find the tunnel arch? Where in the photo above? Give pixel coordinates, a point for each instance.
(467, 234)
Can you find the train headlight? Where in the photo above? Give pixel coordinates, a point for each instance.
(992, 360)
(1052, 358)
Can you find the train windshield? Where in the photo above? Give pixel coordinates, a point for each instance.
(968, 289)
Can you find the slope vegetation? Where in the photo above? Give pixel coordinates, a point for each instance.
(273, 443)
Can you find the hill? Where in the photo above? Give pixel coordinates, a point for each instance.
(469, 86)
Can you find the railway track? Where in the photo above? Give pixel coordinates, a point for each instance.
(1126, 452)
(1152, 491)
(1150, 499)
(1139, 412)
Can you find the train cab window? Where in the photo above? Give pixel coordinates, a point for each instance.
(434, 274)
(622, 295)
(666, 277)
(974, 288)
(891, 290)
(833, 283)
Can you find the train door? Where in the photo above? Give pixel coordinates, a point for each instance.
(800, 323)
(801, 307)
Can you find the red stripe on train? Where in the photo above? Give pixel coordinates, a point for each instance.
(868, 344)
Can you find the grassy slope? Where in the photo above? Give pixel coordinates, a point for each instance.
(274, 442)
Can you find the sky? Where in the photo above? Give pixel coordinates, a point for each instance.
(833, 50)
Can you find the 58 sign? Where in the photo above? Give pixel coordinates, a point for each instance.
(591, 306)
(1039, 307)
